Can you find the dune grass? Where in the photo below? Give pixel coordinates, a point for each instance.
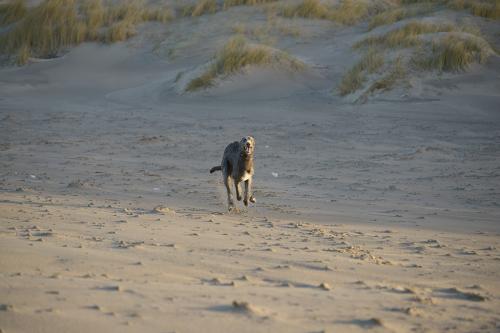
(397, 14)
(44, 30)
(351, 11)
(12, 12)
(94, 14)
(453, 53)
(395, 73)
(312, 9)
(231, 3)
(454, 49)
(236, 54)
(356, 76)
(484, 8)
(200, 8)
(406, 36)
(53, 25)
(347, 12)
(268, 33)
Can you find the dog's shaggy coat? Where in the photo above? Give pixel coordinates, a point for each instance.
(237, 167)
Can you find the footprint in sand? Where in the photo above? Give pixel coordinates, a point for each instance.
(110, 288)
(244, 308)
(460, 294)
(397, 289)
(218, 282)
(6, 307)
(369, 323)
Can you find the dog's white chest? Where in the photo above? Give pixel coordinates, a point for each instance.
(246, 176)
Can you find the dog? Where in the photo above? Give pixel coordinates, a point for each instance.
(237, 167)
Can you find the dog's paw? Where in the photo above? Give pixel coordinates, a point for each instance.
(238, 197)
(252, 199)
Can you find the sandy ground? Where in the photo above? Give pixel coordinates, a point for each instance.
(381, 216)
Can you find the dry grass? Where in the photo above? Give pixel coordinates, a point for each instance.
(158, 14)
(312, 9)
(205, 7)
(236, 54)
(350, 11)
(12, 12)
(484, 8)
(406, 36)
(94, 14)
(388, 81)
(44, 30)
(261, 33)
(269, 32)
(453, 50)
(396, 73)
(346, 12)
(23, 55)
(397, 14)
(356, 76)
(454, 53)
(231, 3)
(202, 7)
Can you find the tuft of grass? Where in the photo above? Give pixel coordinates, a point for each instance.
(484, 8)
(231, 3)
(351, 81)
(236, 54)
(94, 14)
(53, 25)
(397, 14)
(159, 14)
(12, 12)
(454, 53)
(266, 33)
(388, 81)
(356, 76)
(202, 7)
(23, 55)
(120, 32)
(346, 12)
(312, 9)
(350, 12)
(406, 36)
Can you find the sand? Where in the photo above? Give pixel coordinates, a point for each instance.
(382, 216)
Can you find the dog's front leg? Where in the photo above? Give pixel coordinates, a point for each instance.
(248, 192)
(227, 181)
(238, 190)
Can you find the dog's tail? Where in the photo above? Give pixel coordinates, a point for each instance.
(216, 168)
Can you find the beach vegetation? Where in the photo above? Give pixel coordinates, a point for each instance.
(45, 30)
(355, 77)
(237, 54)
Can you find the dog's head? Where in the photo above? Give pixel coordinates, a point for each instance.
(247, 145)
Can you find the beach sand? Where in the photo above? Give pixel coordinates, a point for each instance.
(382, 216)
